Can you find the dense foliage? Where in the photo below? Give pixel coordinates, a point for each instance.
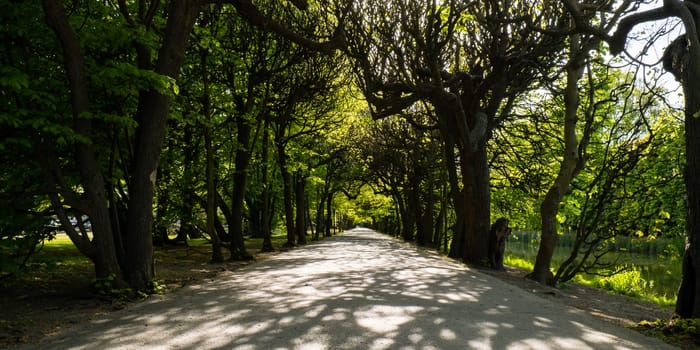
(135, 123)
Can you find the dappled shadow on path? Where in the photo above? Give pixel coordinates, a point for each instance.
(360, 290)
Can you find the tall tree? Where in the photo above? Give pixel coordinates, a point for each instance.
(156, 55)
(469, 61)
(681, 59)
(580, 47)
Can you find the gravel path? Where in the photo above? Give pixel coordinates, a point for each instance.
(360, 290)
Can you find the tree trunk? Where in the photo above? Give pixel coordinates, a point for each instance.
(287, 190)
(688, 302)
(265, 215)
(152, 116)
(426, 227)
(160, 234)
(240, 180)
(216, 254)
(320, 226)
(455, 250)
(405, 216)
(329, 217)
(476, 205)
(94, 186)
(187, 229)
(300, 189)
(569, 167)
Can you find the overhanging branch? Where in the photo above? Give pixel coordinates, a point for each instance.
(254, 16)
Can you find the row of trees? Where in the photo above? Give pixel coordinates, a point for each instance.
(119, 110)
(527, 82)
(121, 119)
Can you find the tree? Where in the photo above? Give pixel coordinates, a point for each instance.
(680, 58)
(574, 153)
(408, 176)
(153, 51)
(469, 61)
(28, 114)
(307, 92)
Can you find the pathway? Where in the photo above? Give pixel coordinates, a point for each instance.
(360, 290)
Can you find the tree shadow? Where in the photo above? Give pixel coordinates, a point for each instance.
(360, 290)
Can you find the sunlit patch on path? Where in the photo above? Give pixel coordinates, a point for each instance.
(360, 290)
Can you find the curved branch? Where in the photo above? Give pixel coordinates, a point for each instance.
(254, 16)
(683, 12)
(671, 8)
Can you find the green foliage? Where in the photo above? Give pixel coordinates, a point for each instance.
(628, 282)
(158, 287)
(110, 287)
(648, 269)
(684, 333)
(13, 253)
(368, 208)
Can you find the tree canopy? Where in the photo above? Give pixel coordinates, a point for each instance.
(131, 123)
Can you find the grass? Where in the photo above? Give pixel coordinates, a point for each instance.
(59, 263)
(652, 278)
(652, 270)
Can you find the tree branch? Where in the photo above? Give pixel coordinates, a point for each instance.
(254, 16)
(619, 38)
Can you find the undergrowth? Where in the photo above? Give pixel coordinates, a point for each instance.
(684, 333)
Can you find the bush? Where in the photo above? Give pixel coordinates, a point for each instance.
(629, 282)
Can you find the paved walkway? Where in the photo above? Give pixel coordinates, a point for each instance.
(360, 290)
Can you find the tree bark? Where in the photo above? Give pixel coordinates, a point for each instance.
(105, 255)
(476, 205)
(300, 196)
(568, 169)
(152, 115)
(287, 193)
(240, 181)
(688, 302)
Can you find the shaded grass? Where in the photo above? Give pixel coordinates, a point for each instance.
(57, 286)
(59, 264)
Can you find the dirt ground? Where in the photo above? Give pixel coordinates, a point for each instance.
(618, 309)
(26, 316)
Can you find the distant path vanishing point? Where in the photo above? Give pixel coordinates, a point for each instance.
(359, 290)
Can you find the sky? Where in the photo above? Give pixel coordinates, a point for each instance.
(641, 36)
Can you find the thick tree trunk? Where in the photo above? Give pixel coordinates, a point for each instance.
(476, 205)
(152, 115)
(688, 302)
(94, 196)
